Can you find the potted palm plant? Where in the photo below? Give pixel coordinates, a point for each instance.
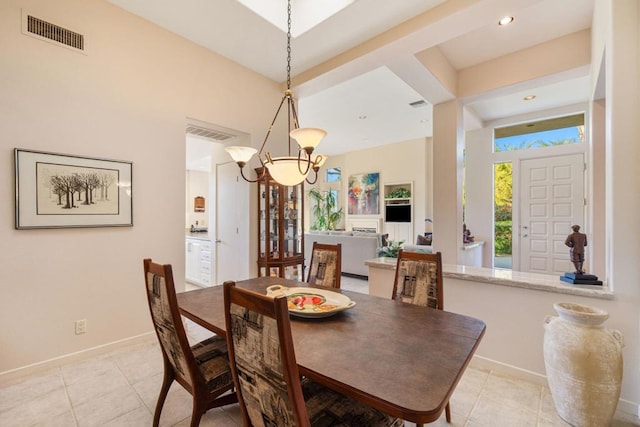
(325, 214)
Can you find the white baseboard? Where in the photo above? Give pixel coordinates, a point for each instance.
(626, 410)
(512, 371)
(10, 376)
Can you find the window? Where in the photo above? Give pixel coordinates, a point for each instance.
(334, 174)
(543, 133)
(336, 200)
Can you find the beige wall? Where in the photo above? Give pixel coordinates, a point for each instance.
(400, 162)
(128, 98)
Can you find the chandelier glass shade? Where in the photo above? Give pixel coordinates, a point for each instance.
(284, 170)
(308, 138)
(288, 170)
(241, 154)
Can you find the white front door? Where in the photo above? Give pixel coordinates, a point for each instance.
(551, 200)
(228, 245)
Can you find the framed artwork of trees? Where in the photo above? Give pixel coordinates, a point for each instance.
(61, 191)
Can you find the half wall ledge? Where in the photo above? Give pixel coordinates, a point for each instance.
(493, 276)
(541, 282)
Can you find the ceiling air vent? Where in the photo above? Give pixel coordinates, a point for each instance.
(418, 104)
(208, 133)
(54, 33)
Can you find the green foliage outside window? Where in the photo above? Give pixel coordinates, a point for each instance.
(503, 208)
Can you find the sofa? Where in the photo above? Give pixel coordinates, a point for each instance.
(423, 244)
(417, 248)
(357, 247)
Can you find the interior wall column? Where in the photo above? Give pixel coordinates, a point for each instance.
(448, 143)
(596, 196)
(622, 110)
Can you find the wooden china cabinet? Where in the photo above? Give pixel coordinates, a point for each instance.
(280, 220)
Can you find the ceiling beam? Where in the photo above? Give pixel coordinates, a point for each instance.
(554, 57)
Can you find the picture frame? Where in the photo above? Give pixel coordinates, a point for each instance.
(364, 194)
(55, 190)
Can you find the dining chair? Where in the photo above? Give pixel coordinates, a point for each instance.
(268, 383)
(418, 281)
(202, 369)
(326, 265)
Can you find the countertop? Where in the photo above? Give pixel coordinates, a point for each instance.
(200, 235)
(472, 245)
(498, 276)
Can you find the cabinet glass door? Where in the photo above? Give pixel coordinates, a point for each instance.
(293, 272)
(274, 220)
(292, 222)
(269, 219)
(280, 226)
(264, 215)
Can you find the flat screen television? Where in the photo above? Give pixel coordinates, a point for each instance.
(397, 213)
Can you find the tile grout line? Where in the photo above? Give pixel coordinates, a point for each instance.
(540, 406)
(66, 392)
(475, 403)
(110, 355)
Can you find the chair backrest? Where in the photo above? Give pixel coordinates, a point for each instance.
(262, 359)
(326, 265)
(163, 305)
(419, 279)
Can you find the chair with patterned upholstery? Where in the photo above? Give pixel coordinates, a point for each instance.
(203, 369)
(326, 265)
(419, 281)
(264, 368)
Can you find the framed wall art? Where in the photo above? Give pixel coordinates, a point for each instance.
(64, 191)
(364, 194)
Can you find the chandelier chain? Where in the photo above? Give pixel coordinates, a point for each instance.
(289, 44)
(281, 167)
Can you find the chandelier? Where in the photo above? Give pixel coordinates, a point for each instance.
(288, 170)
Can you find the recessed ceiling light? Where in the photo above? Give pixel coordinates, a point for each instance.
(505, 20)
(529, 97)
(362, 117)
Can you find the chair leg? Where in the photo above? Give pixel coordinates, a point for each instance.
(447, 412)
(196, 413)
(166, 384)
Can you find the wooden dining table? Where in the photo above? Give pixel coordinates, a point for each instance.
(402, 359)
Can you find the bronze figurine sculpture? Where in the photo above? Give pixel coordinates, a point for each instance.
(576, 241)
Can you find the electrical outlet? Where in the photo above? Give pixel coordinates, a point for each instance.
(81, 326)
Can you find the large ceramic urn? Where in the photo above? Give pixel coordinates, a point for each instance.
(583, 360)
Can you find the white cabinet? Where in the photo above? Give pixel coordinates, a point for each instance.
(400, 231)
(398, 211)
(198, 262)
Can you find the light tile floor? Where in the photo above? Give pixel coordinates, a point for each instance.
(120, 389)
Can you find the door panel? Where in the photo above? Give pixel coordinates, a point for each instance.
(552, 199)
(227, 246)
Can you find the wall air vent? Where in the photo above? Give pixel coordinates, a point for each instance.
(208, 133)
(418, 104)
(52, 33)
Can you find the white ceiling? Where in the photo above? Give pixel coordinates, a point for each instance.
(370, 88)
